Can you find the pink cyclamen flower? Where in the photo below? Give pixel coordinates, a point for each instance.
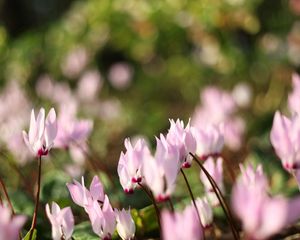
(125, 224)
(215, 169)
(103, 219)
(41, 135)
(262, 216)
(130, 164)
(10, 226)
(84, 197)
(179, 226)
(72, 131)
(161, 171)
(210, 141)
(285, 138)
(183, 138)
(218, 108)
(205, 212)
(62, 221)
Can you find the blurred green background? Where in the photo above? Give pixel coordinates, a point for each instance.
(152, 59)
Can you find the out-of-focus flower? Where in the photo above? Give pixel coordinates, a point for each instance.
(125, 224)
(71, 131)
(89, 85)
(183, 138)
(44, 86)
(209, 140)
(293, 44)
(178, 226)
(161, 171)
(14, 112)
(84, 197)
(215, 170)
(103, 219)
(130, 164)
(218, 108)
(41, 135)
(110, 109)
(295, 6)
(75, 62)
(285, 138)
(253, 177)
(205, 212)
(10, 226)
(242, 94)
(62, 221)
(252, 204)
(120, 75)
(294, 96)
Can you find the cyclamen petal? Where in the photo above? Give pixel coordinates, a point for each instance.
(103, 219)
(62, 221)
(285, 138)
(10, 226)
(183, 139)
(41, 135)
(125, 224)
(215, 169)
(50, 128)
(161, 171)
(179, 226)
(205, 211)
(130, 164)
(82, 196)
(210, 141)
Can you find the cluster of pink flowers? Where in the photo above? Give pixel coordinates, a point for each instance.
(104, 219)
(223, 119)
(262, 215)
(159, 171)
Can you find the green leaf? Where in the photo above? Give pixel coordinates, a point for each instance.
(83, 231)
(33, 235)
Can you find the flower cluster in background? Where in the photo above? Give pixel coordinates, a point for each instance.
(180, 115)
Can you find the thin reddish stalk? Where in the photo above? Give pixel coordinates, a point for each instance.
(6, 196)
(13, 165)
(229, 168)
(193, 199)
(92, 160)
(220, 198)
(171, 204)
(150, 195)
(37, 200)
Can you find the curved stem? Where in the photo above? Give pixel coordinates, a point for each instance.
(220, 198)
(193, 199)
(6, 196)
(37, 200)
(150, 195)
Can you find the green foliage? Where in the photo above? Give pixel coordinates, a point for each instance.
(83, 231)
(33, 237)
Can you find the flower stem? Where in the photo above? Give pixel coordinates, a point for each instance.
(37, 200)
(229, 168)
(193, 199)
(220, 198)
(6, 196)
(150, 195)
(171, 204)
